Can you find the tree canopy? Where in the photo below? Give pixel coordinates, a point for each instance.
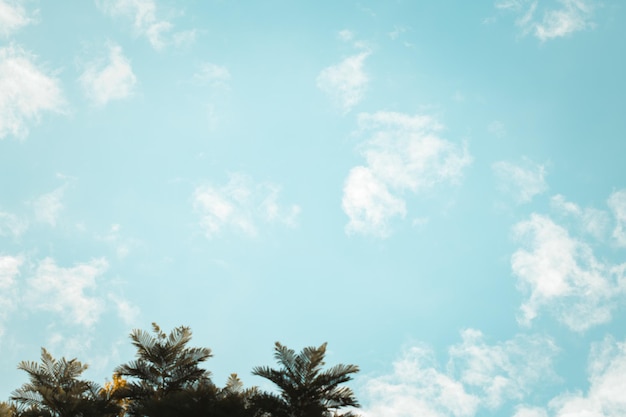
(306, 390)
(166, 379)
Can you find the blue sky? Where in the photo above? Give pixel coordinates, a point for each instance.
(435, 188)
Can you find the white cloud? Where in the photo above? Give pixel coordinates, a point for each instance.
(521, 182)
(345, 35)
(120, 243)
(592, 221)
(417, 388)
(12, 17)
(607, 384)
(105, 81)
(403, 154)
(505, 371)
(26, 92)
(369, 204)
(12, 225)
(345, 82)
(126, 311)
(143, 13)
(273, 212)
(617, 204)
(65, 290)
(397, 31)
(75, 343)
(184, 37)
(9, 269)
(477, 375)
(241, 205)
(48, 206)
(569, 17)
(573, 16)
(212, 74)
(561, 274)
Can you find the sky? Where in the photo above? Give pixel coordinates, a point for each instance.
(436, 189)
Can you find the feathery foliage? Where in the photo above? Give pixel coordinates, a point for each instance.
(165, 380)
(165, 372)
(54, 390)
(305, 389)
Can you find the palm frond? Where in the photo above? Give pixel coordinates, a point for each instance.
(306, 388)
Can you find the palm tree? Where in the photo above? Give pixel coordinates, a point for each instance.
(166, 373)
(54, 390)
(306, 390)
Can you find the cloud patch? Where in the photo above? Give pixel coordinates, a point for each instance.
(241, 205)
(9, 269)
(79, 295)
(48, 207)
(13, 16)
(213, 75)
(561, 19)
(478, 375)
(403, 154)
(607, 384)
(617, 204)
(66, 290)
(27, 92)
(346, 82)
(590, 221)
(523, 181)
(143, 14)
(107, 80)
(560, 273)
(12, 225)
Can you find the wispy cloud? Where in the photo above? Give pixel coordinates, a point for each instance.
(9, 269)
(78, 295)
(561, 274)
(505, 371)
(589, 220)
(213, 75)
(66, 290)
(523, 181)
(126, 311)
(13, 16)
(26, 92)
(143, 13)
(573, 16)
(241, 205)
(607, 384)
(477, 375)
(346, 82)
(345, 35)
(568, 17)
(121, 244)
(12, 225)
(110, 79)
(403, 154)
(48, 206)
(617, 204)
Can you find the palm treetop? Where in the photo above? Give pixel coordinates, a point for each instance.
(305, 387)
(163, 362)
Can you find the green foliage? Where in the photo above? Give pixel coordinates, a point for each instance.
(305, 389)
(54, 390)
(166, 380)
(166, 374)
